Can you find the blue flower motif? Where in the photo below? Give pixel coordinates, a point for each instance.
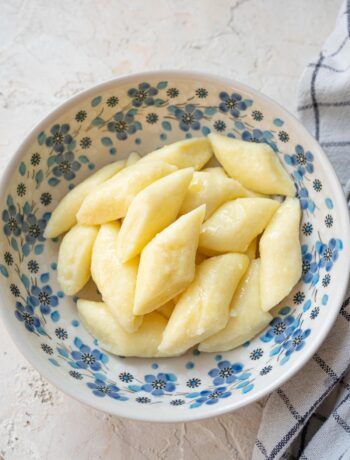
(66, 166)
(303, 161)
(143, 400)
(265, 370)
(86, 358)
(314, 312)
(256, 354)
(317, 185)
(210, 396)
(280, 329)
(296, 341)
(158, 384)
(123, 125)
(13, 221)
(25, 313)
(309, 267)
(307, 228)
(102, 389)
(189, 117)
(61, 333)
(305, 200)
(59, 138)
(219, 126)
(233, 103)
(34, 229)
(328, 253)
(193, 382)
(177, 402)
(326, 280)
(126, 377)
(43, 297)
(143, 94)
(225, 372)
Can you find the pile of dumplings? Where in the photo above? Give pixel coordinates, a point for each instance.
(181, 255)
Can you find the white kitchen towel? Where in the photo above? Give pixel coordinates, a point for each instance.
(309, 416)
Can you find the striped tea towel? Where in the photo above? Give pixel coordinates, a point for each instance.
(309, 416)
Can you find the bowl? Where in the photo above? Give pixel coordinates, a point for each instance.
(140, 113)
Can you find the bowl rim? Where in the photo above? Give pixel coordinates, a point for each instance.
(171, 416)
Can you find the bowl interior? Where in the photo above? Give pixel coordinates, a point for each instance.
(141, 113)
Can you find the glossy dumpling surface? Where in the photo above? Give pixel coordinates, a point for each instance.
(280, 252)
(190, 153)
(115, 281)
(64, 216)
(235, 224)
(153, 209)
(167, 263)
(203, 309)
(255, 165)
(99, 321)
(74, 258)
(211, 189)
(246, 316)
(111, 200)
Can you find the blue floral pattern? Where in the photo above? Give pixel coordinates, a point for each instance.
(119, 120)
(233, 103)
(124, 124)
(159, 384)
(189, 117)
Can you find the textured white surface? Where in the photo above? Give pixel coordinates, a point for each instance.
(51, 50)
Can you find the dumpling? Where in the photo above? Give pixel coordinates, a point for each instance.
(191, 153)
(212, 190)
(255, 165)
(115, 281)
(111, 200)
(153, 209)
(100, 322)
(247, 318)
(74, 258)
(64, 216)
(203, 309)
(167, 263)
(133, 158)
(235, 224)
(217, 170)
(281, 262)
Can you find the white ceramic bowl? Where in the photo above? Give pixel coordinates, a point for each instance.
(142, 112)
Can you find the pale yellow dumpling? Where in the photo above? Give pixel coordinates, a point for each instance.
(191, 153)
(133, 158)
(255, 165)
(74, 258)
(235, 224)
(167, 263)
(115, 281)
(153, 209)
(100, 322)
(203, 309)
(280, 252)
(210, 189)
(218, 170)
(111, 200)
(64, 216)
(246, 316)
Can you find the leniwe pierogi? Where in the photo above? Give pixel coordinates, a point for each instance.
(182, 254)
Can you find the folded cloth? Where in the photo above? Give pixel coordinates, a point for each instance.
(309, 416)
